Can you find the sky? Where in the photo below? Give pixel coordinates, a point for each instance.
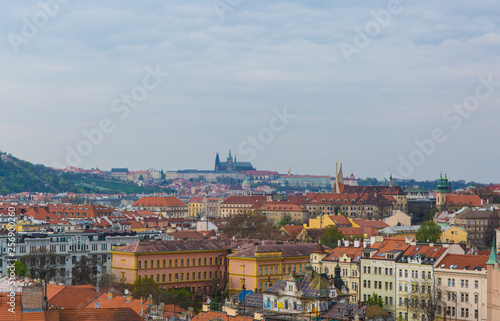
(410, 88)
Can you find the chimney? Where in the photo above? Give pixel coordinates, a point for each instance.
(346, 243)
(111, 294)
(258, 316)
(364, 244)
(339, 243)
(32, 297)
(129, 297)
(142, 300)
(356, 243)
(150, 300)
(206, 307)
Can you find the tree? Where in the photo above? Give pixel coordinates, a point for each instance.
(43, 264)
(250, 225)
(144, 287)
(331, 237)
(375, 299)
(287, 219)
(426, 298)
(492, 224)
(20, 269)
(428, 232)
(85, 271)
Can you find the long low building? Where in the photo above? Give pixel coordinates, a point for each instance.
(186, 264)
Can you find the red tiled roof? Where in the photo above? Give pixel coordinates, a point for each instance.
(158, 201)
(340, 220)
(293, 230)
(351, 251)
(41, 213)
(377, 224)
(283, 206)
(472, 200)
(387, 245)
(429, 251)
(463, 262)
(74, 297)
(119, 302)
(113, 314)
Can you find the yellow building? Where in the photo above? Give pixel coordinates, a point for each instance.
(323, 221)
(27, 226)
(195, 207)
(453, 234)
(259, 266)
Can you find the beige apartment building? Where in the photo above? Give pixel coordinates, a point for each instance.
(463, 282)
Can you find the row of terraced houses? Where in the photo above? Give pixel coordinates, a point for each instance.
(399, 271)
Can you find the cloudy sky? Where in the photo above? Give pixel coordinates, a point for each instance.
(410, 87)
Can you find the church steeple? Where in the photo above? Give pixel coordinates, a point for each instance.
(339, 179)
(217, 161)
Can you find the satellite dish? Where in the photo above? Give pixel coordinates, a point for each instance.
(126, 291)
(208, 301)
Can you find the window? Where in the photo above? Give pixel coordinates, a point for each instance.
(210, 261)
(199, 261)
(163, 277)
(158, 263)
(194, 275)
(157, 278)
(400, 273)
(476, 298)
(152, 264)
(170, 277)
(170, 263)
(205, 275)
(439, 281)
(204, 261)
(145, 264)
(476, 284)
(176, 264)
(182, 276)
(182, 262)
(164, 263)
(140, 264)
(260, 270)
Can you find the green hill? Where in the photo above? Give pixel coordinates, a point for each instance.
(18, 176)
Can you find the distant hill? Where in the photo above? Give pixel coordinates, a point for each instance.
(429, 185)
(18, 176)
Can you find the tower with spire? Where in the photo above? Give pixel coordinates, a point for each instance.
(217, 162)
(443, 189)
(339, 178)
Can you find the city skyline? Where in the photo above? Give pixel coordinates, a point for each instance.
(389, 87)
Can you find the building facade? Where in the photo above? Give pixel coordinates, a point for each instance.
(172, 264)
